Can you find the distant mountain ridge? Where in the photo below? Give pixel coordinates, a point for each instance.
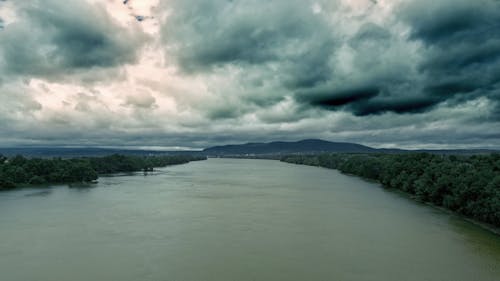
(282, 147)
(312, 146)
(257, 149)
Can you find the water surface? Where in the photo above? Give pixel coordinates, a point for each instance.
(238, 220)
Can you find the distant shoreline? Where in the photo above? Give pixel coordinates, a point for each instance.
(18, 172)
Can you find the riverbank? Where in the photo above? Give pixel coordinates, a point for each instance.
(19, 171)
(465, 186)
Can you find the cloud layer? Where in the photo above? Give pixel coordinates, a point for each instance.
(196, 73)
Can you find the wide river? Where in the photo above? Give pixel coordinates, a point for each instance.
(236, 220)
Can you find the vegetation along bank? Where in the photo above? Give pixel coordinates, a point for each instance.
(467, 185)
(20, 171)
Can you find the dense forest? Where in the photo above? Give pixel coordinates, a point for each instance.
(468, 185)
(19, 170)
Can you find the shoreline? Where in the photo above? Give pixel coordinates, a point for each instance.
(485, 226)
(89, 183)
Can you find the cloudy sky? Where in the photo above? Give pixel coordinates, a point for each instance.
(194, 73)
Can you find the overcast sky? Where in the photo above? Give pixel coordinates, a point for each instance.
(195, 73)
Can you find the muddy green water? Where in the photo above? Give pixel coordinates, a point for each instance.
(236, 220)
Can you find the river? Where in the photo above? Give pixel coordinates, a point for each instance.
(236, 220)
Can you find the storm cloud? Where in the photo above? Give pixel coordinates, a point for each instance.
(56, 38)
(302, 43)
(194, 73)
(461, 47)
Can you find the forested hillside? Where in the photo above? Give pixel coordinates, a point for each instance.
(19, 170)
(468, 185)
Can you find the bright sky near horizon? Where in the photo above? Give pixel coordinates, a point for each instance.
(193, 73)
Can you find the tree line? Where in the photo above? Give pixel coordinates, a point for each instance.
(18, 170)
(468, 185)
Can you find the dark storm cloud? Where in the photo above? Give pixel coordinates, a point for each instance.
(367, 100)
(380, 81)
(210, 34)
(461, 41)
(224, 113)
(446, 89)
(53, 38)
(328, 98)
(451, 20)
(292, 44)
(401, 105)
(458, 60)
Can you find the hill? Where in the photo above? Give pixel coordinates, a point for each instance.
(315, 146)
(277, 148)
(280, 147)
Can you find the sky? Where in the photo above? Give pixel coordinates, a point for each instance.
(182, 74)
